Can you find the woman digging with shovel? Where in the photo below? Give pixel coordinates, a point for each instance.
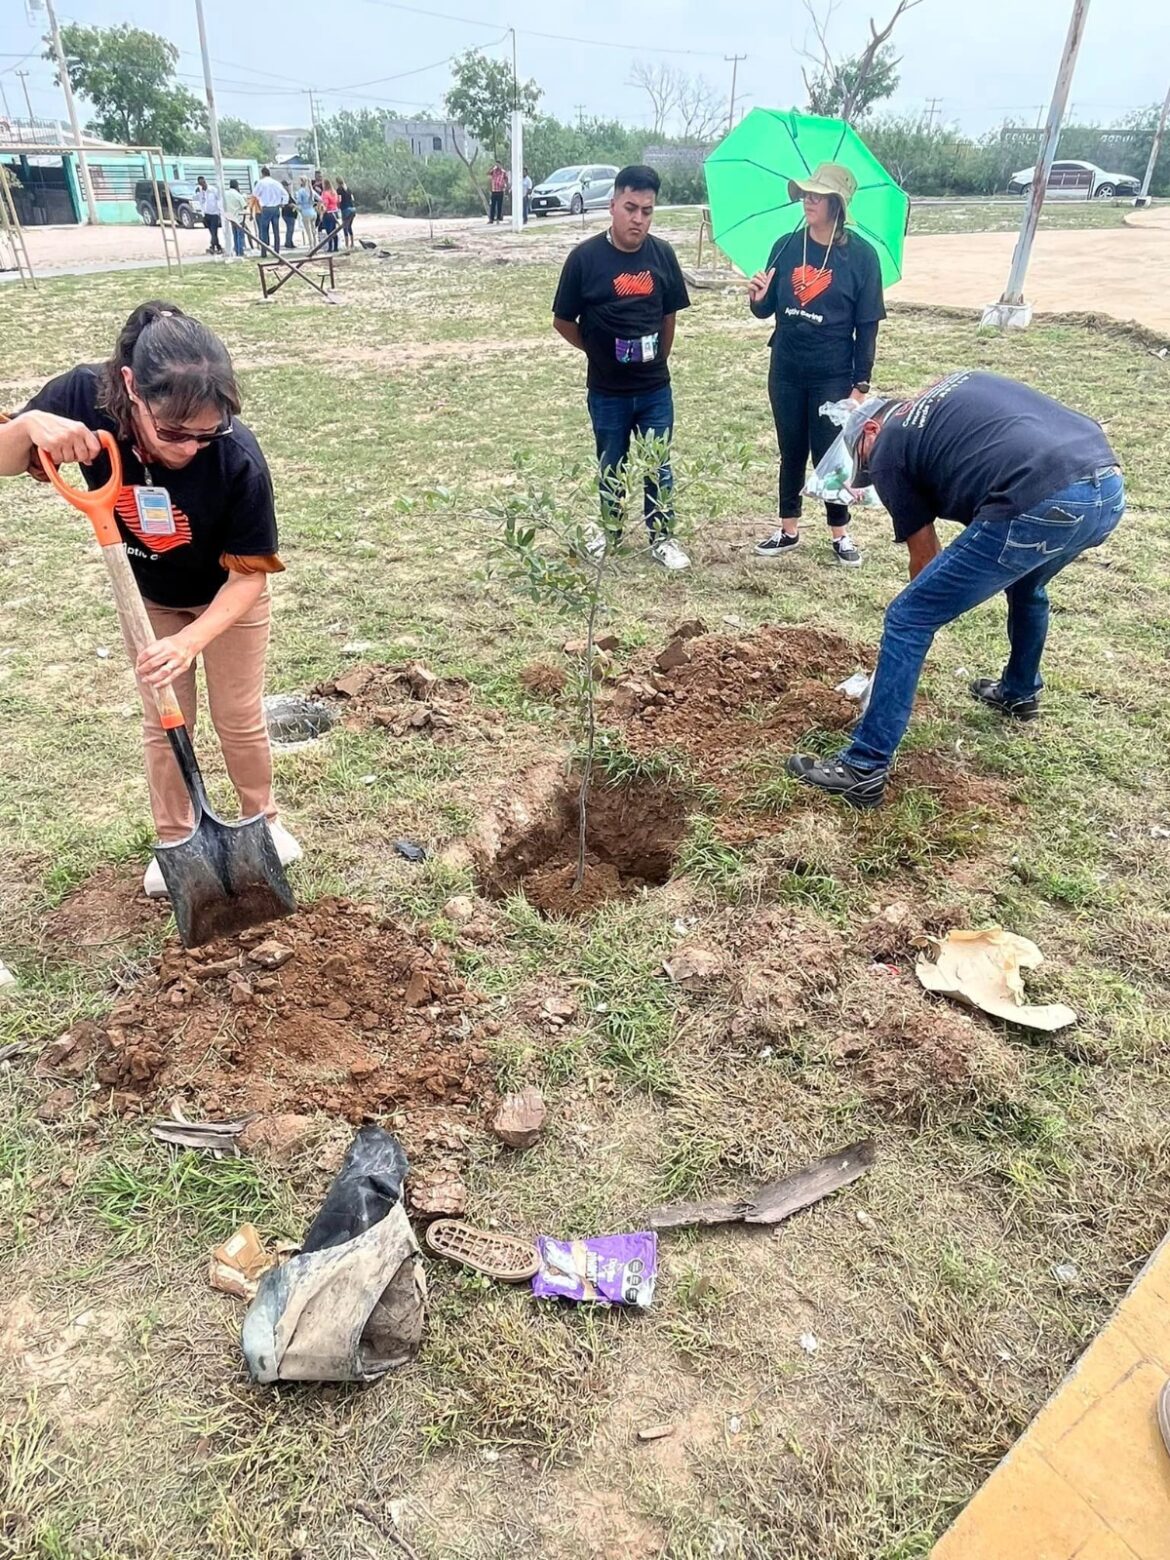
(196, 515)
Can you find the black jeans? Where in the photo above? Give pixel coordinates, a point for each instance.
(213, 244)
(290, 230)
(496, 214)
(801, 431)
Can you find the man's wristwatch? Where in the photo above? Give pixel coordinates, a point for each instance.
(863, 386)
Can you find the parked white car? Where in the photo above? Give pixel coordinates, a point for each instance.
(1076, 181)
(577, 189)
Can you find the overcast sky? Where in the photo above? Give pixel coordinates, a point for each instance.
(985, 60)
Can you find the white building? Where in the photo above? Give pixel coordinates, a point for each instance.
(431, 137)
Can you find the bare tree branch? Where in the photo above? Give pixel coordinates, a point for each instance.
(866, 62)
(661, 85)
(841, 86)
(701, 108)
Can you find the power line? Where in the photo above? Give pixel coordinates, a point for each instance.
(529, 32)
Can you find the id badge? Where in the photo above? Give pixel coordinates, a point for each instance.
(636, 349)
(155, 515)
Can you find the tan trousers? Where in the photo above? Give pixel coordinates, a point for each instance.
(309, 224)
(233, 665)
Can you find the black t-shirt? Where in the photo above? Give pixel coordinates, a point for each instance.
(977, 446)
(221, 502)
(620, 300)
(819, 301)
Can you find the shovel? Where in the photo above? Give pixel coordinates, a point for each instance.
(224, 876)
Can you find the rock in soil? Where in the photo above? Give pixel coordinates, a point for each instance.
(56, 1105)
(520, 1118)
(331, 1027)
(542, 681)
(277, 1138)
(439, 1195)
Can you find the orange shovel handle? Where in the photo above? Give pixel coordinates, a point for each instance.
(98, 505)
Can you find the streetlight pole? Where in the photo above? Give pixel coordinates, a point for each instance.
(733, 60)
(1011, 310)
(1144, 198)
(67, 88)
(517, 147)
(213, 131)
(316, 139)
(23, 74)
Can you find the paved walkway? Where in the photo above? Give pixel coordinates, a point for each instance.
(1090, 1478)
(1124, 272)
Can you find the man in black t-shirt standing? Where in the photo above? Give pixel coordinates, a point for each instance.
(1033, 483)
(617, 301)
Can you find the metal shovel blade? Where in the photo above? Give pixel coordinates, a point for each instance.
(223, 878)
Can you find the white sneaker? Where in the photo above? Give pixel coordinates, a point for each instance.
(152, 881)
(594, 542)
(286, 847)
(669, 554)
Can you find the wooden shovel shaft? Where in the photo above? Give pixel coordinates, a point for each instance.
(137, 629)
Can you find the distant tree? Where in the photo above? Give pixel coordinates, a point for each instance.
(237, 138)
(481, 101)
(848, 87)
(660, 84)
(347, 134)
(701, 109)
(128, 76)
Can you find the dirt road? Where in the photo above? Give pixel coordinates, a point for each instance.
(1124, 272)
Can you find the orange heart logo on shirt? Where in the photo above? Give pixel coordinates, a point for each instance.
(808, 283)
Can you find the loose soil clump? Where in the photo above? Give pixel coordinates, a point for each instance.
(529, 843)
(332, 1009)
(405, 700)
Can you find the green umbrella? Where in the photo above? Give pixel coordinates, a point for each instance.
(747, 183)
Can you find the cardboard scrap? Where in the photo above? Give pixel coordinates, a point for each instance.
(982, 970)
(237, 1266)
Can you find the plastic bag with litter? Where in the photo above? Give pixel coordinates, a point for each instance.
(830, 480)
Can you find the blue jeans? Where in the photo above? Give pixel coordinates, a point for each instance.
(238, 239)
(269, 225)
(616, 418)
(1019, 557)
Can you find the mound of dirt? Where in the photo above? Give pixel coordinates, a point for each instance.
(529, 842)
(718, 700)
(405, 700)
(108, 909)
(542, 681)
(333, 1009)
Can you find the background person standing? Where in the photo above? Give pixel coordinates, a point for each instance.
(617, 301)
(271, 196)
(207, 197)
(235, 216)
(527, 195)
(823, 284)
(329, 204)
(306, 199)
(347, 208)
(289, 212)
(498, 180)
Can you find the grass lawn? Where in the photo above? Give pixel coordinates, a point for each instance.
(392, 423)
(980, 216)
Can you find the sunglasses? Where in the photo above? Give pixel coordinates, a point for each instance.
(184, 435)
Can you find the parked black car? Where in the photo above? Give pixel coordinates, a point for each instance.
(187, 214)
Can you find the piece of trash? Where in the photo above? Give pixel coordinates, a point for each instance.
(1065, 1272)
(732, 621)
(853, 687)
(520, 1117)
(982, 969)
(655, 1432)
(7, 980)
(357, 647)
(734, 1424)
(409, 850)
(690, 966)
(237, 1266)
(607, 1269)
(683, 924)
(504, 1257)
(102, 652)
(1158, 833)
(369, 779)
(207, 1136)
(808, 1343)
(961, 671)
(352, 1305)
(779, 1199)
(490, 1455)
(862, 1217)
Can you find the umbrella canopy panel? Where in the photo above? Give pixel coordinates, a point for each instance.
(747, 184)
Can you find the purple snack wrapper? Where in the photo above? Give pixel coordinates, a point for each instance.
(607, 1269)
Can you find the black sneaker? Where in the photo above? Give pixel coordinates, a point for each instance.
(988, 691)
(845, 552)
(858, 787)
(779, 542)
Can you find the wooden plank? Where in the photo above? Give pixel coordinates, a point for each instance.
(777, 1200)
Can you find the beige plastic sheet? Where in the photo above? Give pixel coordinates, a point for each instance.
(983, 969)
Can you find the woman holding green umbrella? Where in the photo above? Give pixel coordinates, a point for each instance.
(823, 285)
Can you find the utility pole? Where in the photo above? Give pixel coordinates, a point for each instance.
(931, 112)
(213, 133)
(580, 107)
(1011, 310)
(517, 147)
(67, 88)
(733, 60)
(316, 138)
(1144, 198)
(4, 101)
(23, 74)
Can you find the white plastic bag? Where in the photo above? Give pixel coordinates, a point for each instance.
(830, 480)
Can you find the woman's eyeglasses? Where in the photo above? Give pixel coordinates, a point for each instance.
(184, 435)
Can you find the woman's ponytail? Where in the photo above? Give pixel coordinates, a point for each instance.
(176, 361)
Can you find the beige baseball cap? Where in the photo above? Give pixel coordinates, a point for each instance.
(827, 178)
